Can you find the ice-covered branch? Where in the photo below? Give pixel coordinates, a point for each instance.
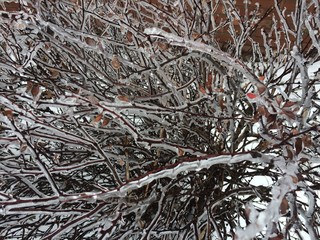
(216, 54)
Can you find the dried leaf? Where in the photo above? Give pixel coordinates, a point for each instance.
(163, 46)
(300, 177)
(247, 212)
(295, 179)
(261, 89)
(90, 41)
(279, 237)
(251, 95)
(123, 98)
(29, 86)
(209, 82)
(263, 145)
(279, 99)
(115, 63)
(180, 152)
(93, 100)
(98, 118)
(289, 104)
(129, 36)
(298, 145)
(196, 36)
(307, 141)
(203, 233)
(23, 147)
(8, 113)
(273, 125)
(284, 206)
(202, 89)
(303, 160)
(221, 102)
(289, 114)
(126, 141)
(158, 154)
(35, 90)
(163, 133)
(271, 118)
(219, 90)
(274, 229)
(236, 22)
(256, 117)
(47, 94)
(262, 110)
(105, 122)
(47, 45)
(261, 78)
(289, 152)
(121, 162)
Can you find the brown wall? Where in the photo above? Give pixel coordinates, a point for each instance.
(222, 36)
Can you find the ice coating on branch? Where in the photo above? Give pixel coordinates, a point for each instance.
(122, 129)
(179, 168)
(205, 48)
(152, 31)
(271, 214)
